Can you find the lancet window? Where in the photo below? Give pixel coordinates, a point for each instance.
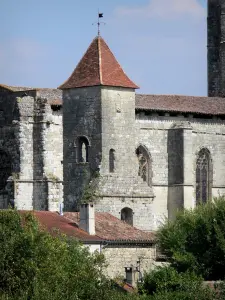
(145, 165)
(82, 149)
(203, 176)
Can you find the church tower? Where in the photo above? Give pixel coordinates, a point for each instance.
(100, 160)
(216, 48)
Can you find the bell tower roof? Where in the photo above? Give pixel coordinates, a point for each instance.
(98, 66)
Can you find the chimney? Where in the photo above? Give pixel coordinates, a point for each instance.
(87, 218)
(131, 275)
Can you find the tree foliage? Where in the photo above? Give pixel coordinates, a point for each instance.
(195, 240)
(166, 283)
(35, 265)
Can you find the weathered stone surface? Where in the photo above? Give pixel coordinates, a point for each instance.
(29, 130)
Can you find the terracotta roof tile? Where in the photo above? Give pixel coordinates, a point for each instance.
(175, 103)
(98, 67)
(111, 228)
(52, 220)
(55, 102)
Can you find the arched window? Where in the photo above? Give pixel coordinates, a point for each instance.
(145, 165)
(5, 168)
(127, 215)
(203, 176)
(111, 160)
(82, 149)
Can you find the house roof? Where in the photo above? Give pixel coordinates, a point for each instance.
(53, 221)
(98, 66)
(176, 103)
(108, 227)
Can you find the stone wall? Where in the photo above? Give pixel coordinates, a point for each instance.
(189, 135)
(214, 39)
(120, 256)
(81, 119)
(24, 137)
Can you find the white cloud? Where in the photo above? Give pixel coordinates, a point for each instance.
(166, 9)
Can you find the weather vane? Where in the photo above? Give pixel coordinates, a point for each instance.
(100, 15)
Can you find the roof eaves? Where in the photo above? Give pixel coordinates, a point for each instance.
(177, 111)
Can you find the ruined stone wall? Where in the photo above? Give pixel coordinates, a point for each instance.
(23, 119)
(48, 152)
(120, 256)
(53, 155)
(16, 140)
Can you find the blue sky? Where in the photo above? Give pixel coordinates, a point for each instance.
(161, 44)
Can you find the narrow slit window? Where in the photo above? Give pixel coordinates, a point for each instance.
(82, 149)
(111, 160)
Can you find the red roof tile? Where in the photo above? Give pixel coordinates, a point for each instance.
(55, 102)
(111, 228)
(53, 221)
(98, 67)
(175, 103)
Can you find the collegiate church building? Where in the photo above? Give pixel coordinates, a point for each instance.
(95, 138)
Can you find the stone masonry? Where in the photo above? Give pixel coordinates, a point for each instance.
(30, 127)
(139, 157)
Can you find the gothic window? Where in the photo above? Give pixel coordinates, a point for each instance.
(127, 215)
(82, 149)
(111, 160)
(203, 176)
(144, 161)
(5, 168)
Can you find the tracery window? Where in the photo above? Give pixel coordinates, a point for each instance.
(5, 168)
(82, 149)
(203, 176)
(111, 160)
(145, 168)
(127, 215)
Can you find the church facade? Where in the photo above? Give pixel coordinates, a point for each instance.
(138, 157)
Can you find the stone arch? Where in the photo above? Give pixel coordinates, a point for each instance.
(145, 164)
(82, 146)
(127, 215)
(111, 161)
(203, 176)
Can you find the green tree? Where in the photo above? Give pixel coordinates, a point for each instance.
(166, 283)
(35, 265)
(195, 240)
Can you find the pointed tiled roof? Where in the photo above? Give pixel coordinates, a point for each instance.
(98, 66)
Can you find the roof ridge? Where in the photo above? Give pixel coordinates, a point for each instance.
(100, 60)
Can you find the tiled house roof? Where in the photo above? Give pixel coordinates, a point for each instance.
(98, 67)
(174, 103)
(108, 228)
(53, 221)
